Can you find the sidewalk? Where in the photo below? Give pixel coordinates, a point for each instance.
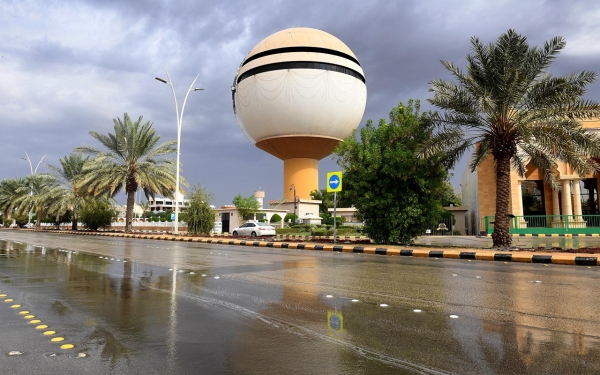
(469, 254)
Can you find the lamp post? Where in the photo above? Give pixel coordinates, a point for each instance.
(293, 187)
(179, 121)
(33, 172)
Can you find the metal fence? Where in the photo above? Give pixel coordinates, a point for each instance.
(548, 224)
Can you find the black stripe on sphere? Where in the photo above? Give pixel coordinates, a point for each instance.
(301, 65)
(276, 51)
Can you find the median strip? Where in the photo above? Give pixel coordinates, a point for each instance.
(491, 255)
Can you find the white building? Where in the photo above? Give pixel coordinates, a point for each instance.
(160, 203)
(306, 210)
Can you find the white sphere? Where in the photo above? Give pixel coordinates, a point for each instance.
(300, 82)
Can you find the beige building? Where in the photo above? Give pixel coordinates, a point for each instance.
(536, 206)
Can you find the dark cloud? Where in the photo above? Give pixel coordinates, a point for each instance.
(68, 68)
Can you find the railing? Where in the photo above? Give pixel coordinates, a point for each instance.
(444, 227)
(549, 224)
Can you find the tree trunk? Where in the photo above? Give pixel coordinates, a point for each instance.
(74, 222)
(501, 236)
(38, 221)
(129, 212)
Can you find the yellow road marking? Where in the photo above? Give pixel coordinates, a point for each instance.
(35, 321)
(49, 333)
(67, 346)
(23, 312)
(57, 339)
(8, 300)
(29, 316)
(15, 306)
(41, 326)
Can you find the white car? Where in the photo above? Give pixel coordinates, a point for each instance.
(254, 229)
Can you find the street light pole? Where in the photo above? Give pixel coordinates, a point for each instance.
(179, 118)
(33, 172)
(293, 187)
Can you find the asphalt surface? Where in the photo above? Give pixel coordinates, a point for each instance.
(179, 308)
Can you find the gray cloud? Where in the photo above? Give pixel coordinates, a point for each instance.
(68, 68)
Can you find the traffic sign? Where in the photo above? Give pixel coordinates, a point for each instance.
(334, 182)
(335, 320)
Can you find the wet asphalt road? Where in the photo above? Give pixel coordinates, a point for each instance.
(179, 308)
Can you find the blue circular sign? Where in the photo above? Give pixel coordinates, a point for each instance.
(335, 322)
(334, 181)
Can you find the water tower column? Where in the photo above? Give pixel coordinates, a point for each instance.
(303, 173)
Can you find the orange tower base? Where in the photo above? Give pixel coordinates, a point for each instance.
(303, 173)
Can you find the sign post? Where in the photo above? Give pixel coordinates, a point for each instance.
(334, 184)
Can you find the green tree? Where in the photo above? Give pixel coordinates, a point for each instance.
(131, 160)
(35, 197)
(246, 207)
(10, 190)
(326, 199)
(97, 213)
(395, 193)
(65, 197)
(198, 215)
(275, 218)
(510, 108)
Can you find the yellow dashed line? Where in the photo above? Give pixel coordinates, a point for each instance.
(67, 346)
(35, 321)
(29, 316)
(8, 300)
(15, 306)
(57, 339)
(23, 312)
(49, 333)
(41, 326)
(2, 295)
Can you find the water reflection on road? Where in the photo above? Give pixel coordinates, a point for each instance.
(157, 307)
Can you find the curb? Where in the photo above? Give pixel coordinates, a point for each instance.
(523, 257)
(568, 235)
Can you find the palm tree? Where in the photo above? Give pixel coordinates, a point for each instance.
(9, 192)
(65, 197)
(34, 196)
(131, 160)
(509, 107)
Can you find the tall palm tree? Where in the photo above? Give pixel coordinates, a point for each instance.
(509, 107)
(131, 160)
(64, 196)
(9, 192)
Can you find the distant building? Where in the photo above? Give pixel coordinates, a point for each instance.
(349, 215)
(160, 203)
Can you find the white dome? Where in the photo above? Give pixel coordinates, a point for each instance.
(300, 82)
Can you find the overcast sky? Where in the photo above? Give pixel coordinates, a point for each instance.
(69, 67)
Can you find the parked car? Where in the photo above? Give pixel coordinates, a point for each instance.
(254, 229)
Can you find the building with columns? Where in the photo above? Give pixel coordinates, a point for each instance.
(538, 209)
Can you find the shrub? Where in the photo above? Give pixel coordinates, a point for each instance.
(275, 218)
(97, 213)
(199, 216)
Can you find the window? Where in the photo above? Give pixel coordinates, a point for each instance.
(589, 196)
(533, 197)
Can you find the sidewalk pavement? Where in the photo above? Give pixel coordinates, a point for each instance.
(580, 259)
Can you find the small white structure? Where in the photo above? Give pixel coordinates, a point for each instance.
(349, 215)
(310, 219)
(228, 217)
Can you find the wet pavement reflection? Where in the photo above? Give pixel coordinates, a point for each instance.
(140, 306)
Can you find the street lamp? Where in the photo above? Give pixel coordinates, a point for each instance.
(33, 172)
(179, 121)
(293, 187)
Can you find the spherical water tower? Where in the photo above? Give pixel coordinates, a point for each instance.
(296, 95)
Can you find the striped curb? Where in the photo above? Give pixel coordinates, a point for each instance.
(523, 257)
(553, 235)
